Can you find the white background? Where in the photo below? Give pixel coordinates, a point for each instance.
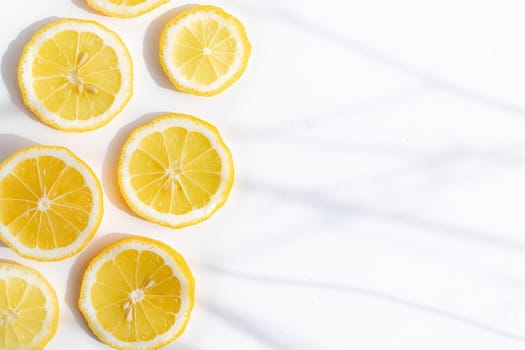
(380, 188)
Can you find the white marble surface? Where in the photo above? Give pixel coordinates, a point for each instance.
(380, 187)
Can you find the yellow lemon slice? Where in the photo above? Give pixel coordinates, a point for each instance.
(75, 75)
(28, 308)
(175, 171)
(137, 294)
(204, 50)
(50, 203)
(125, 8)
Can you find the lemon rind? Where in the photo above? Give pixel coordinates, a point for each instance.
(125, 11)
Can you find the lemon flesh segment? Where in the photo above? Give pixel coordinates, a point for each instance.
(50, 203)
(28, 308)
(137, 294)
(204, 50)
(125, 8)
(75, 75)
(175, 171)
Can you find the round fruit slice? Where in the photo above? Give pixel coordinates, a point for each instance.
(75, 75)
(204, 50)
(28, 308)
(137, 294)
(50, 203)
(175, 171)
(125, 8)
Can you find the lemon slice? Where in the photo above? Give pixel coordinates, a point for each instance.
(75, 75)
(50, 203)
(204, 50)
(28, 308)
(125, 8)
(137, 294)
(175, 171)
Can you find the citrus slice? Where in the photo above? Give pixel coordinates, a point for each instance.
(75, 75)
(204, 50)
(137, 294)
(125, 8)
(28, 308)
(50, 203)
(175, 171)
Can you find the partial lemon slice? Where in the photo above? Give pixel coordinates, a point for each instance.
(50, 203)
(125, 8)
(137, 294)
(75, 75)
(28, 308)
(175, 171)
(204, 50)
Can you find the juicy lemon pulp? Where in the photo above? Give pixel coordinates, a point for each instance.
(44, 203)
(137, 294)
(204, 51)
(22, 312)
(136, 304)
(28, 308)
(175, 171)
(76, 75)
(50, 203)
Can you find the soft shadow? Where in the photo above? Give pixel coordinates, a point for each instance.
(84, 6)
(109, 175)
(7, 261)
(151, 45)
(351, 289)
(74, 278)
(180, 346)
(12, 143)
(10, 61)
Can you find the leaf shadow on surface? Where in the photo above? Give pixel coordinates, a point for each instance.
(246, 325)
(84, 6)
(8, 145)
(340, 114)
(10, 59)
(150, 48)
(377, 55)
(109, 173)
(366, 292)
(334, 207)
(74, 278)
